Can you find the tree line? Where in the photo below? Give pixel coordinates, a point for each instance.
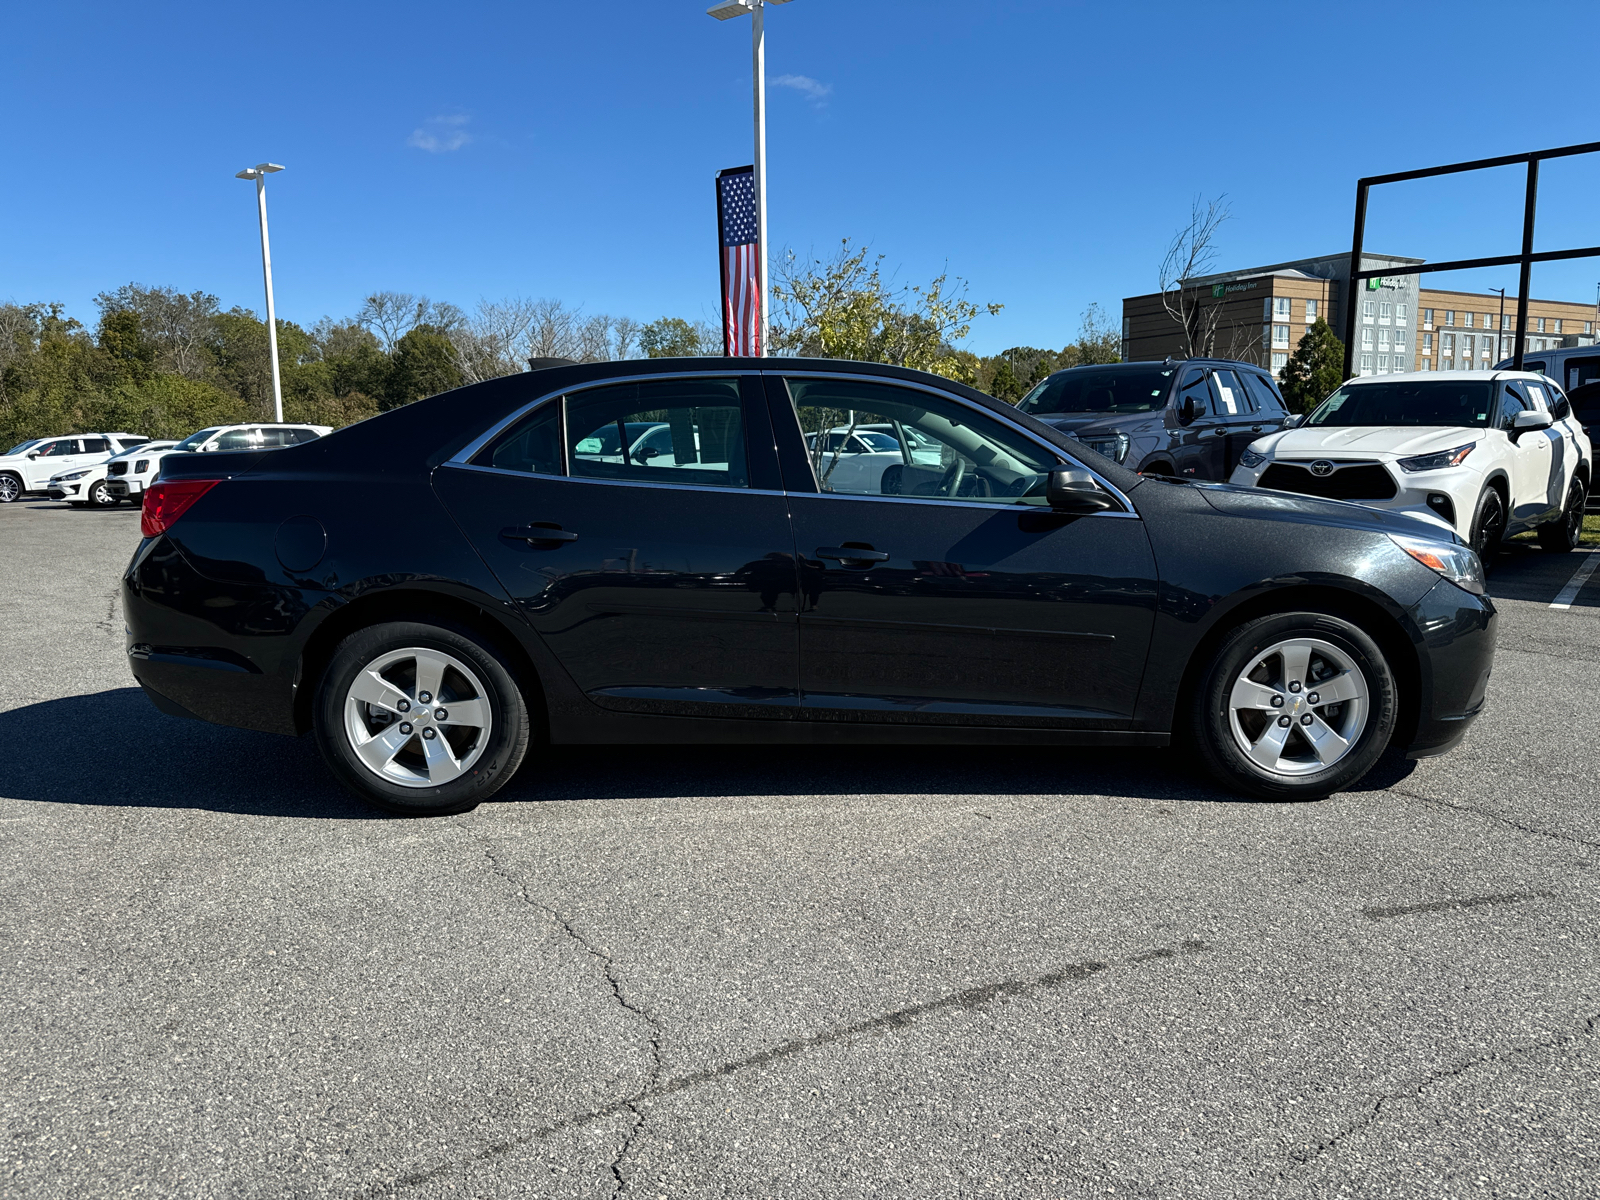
(163, 362)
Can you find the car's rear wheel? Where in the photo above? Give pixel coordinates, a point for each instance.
(1564, 533)
(420, 719)
(1294, 706)
(10, 487)
(1488, 526)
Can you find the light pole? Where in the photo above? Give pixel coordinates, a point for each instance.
(726, 10)
(259, 173)
(1502, 333)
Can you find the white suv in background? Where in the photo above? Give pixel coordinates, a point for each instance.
(88, 486)
(1485, 453)
(30, 466)
(130, 482)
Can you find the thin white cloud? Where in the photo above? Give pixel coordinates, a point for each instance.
(812, 89)
(440, 135)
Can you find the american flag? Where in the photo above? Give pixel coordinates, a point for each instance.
(741, 273)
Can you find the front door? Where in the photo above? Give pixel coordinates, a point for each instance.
(1199, 448)
(942, 591)
(640, 529)
(1531, 459)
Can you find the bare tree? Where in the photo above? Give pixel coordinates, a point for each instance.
(494, 340)
(593, 337)
(389, 316)
(1191, 254)
(624, 337)
(180, 326)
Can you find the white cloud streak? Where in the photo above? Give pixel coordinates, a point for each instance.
(440, 135)
(813, 90)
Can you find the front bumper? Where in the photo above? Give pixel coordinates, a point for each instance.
(1459, 487)
(123, 489)
(61, 491)
(1456, 634)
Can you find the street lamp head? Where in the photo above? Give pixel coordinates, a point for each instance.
(728, 9)
(259, 171)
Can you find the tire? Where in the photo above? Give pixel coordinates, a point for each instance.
(10, 487)
(1562, 535)
(99, 497)
(1250, 694)
(373, 727)
(1488, 526)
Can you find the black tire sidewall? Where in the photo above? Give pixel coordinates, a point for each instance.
(1487, 552)
(1213, 737)
(508, 739)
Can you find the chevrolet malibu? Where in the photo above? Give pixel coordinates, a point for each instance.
(521, 587)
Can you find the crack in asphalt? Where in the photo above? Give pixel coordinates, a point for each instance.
(1489, 816)
(1405, 910)
(968, 999)
(608, 968)
(1380, 1103)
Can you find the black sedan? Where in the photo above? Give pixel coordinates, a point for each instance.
(671, 551)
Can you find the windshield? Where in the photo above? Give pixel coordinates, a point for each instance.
(195, 440)
(1409, 402)
(1101, 390)
(20, 447)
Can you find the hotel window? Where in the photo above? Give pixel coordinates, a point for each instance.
(1385, 313)
(1383, 339)
(1279, 361)
(1280, 307)
(1280, 335)
(1505, 347)
(1449, 316)
(1466, 351)
(1588, 326)
(1427, 318)
(1311, 312)
(1466, 320)
(1383, 364)
(1427, 343)
(1366, 364)
(1366, 339)
(1427, 364)
(1266, 308)
(1369, 309)
(1399, 339)
(1447, 343)
(1558, 324)
(1539, 324)
(1402, 311)
(1266, 335)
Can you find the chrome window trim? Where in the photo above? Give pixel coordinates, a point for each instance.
(464, 455)
(1016, 508)
(1027, 433)
(636, 483)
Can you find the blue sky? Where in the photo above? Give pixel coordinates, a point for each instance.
(1044, 151)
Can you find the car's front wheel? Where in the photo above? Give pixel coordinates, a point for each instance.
(100, 496)
(1294, 706)
(420, 719)
(1566, 531)
(10, 487)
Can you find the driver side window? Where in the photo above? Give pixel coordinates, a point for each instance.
(870, 439)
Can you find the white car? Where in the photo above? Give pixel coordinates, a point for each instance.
(128, 480)
(1484, 453)
(88, 485)
(29, 467)
(855, 460)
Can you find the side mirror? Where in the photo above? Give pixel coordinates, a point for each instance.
(1531, 418)
(1188, 409)
(645, 453)
(32, 454)
(1074, 490)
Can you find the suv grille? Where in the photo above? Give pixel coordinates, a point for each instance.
(1349, 481)
(117, 468)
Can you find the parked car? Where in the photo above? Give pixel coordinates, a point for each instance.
(1577, 370)
(128, 480)
(849, 460)
(1029, 592)
(29, 466)
(1484, 454)
(88, 486)
(1189, 419)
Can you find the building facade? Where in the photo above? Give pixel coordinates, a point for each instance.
(1259, 315)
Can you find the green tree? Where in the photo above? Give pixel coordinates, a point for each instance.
(1315, 370)
(130, 357)
(424, 365)
(671, 337)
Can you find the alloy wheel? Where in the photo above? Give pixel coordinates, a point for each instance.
(1298, 707)
(417, 717)
(10, 489)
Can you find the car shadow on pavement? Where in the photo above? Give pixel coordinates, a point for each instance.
(115, 749)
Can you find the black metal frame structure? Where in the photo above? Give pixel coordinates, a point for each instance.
(1525, 260)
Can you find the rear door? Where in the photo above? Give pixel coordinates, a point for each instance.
(1564, 451)
(1234, 408)
(664, 582)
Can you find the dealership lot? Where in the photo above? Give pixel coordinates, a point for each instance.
(715, 971)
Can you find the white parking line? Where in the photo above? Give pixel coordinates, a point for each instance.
(1580, 577)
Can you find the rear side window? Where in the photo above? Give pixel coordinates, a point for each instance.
(239, 439)
(1581, 371)
(532, 446)
(1262, 392)
(1228, 398)
(661, 431)
(96, 445)
(130, 443)
(1560, 409)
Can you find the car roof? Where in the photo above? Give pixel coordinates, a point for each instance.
(1535, 376)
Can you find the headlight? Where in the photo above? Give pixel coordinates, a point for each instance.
(1439, 460)
(65, 478)
(1251, 459)
(1456, 563)
(1114, 447)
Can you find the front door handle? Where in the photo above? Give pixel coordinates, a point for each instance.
(852, 554)
(540, 533)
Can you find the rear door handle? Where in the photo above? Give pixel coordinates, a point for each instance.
(852, 554)
(539, 534)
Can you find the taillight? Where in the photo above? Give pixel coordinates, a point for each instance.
(167, 500)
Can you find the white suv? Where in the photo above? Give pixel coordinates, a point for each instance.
(30, 466)
(130, 482)
(89, 486)
(1485, 453)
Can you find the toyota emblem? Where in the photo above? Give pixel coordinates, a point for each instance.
(1321, 468)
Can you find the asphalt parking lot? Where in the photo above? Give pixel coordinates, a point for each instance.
(738, 973)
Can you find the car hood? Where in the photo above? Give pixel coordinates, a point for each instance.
(1369, 441)
(1267, 505)
(1083, 425)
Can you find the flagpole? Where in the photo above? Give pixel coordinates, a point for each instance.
(759, 54)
